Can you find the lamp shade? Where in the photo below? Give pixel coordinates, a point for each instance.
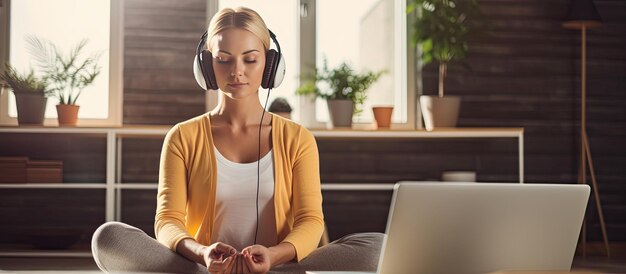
(582, 13)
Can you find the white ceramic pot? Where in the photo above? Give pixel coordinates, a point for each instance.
(440, 111)
(341, 112)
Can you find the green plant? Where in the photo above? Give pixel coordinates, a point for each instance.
(25, 83)
(343, 83)
(442, 29)
(68, 74)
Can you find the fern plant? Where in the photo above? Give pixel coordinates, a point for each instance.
(25, 83)
(68, 74)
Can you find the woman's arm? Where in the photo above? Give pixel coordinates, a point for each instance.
(192, 250)
(306, 204)
(169, 225)
(282, 253)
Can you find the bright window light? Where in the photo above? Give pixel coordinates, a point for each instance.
(65, 23)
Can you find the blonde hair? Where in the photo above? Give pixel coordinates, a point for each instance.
(240, 17)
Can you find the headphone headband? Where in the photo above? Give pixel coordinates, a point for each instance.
(206, 34)
(273, 37)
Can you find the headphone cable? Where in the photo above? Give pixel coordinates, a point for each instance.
(258, 169)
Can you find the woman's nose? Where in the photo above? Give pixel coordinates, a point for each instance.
(237, 69)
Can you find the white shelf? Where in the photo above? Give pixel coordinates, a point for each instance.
(459, 132)
(46, 253)
(438, 133)
(137, 186)
(126, 130)
(58, 186)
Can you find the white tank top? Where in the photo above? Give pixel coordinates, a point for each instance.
(235, 218)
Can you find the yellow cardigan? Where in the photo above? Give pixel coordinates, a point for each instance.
(187, 184)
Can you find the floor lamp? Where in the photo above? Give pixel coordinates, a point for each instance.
(583, 15)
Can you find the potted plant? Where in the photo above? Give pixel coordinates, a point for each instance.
(345, 93)
(67, 74)
(281, 107)
(442, 29)
(31, 95)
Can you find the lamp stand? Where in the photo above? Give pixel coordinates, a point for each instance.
(585, 151)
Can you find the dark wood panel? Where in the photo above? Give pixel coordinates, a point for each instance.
(140, 160)
(139, 207)
(45, 218)
(347, 212)
(173, 22)
(142, 58)
(83, 156)
(166, 79)
(160, 40)
(164, 5)
(175, 40)
(163, 112)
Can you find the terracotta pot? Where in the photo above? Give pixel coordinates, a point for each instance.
(382, 115)
(67, 115)
(31, 108)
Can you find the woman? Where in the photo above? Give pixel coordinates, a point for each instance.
(236, 196)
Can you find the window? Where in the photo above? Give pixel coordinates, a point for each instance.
(368, 34)
(66, 23)
(369, 38)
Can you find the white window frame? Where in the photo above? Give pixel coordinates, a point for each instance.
(407, 78)
(116, 69)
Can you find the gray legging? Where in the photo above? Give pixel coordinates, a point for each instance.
(118, 247)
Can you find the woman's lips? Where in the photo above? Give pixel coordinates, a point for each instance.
(237, 85)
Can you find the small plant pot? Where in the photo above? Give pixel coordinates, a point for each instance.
(440, 111)
(382, 115)
(67, 115)
(31, 108)
(341, 112)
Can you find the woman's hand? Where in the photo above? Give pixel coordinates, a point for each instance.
(218, 257)
(257, 258)
(238, 265)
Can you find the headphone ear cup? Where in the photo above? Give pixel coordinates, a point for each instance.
(198, 74)
(279, 75)
(207, 66)
(203, 70)
(270, 72)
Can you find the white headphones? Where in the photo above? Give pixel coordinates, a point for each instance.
(273, 73)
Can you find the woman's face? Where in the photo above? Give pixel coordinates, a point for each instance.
(238, 62)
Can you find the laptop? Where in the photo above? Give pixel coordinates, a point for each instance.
(436, 227)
